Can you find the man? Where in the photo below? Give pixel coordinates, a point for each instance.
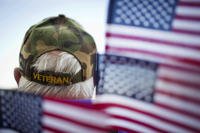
(57, 58)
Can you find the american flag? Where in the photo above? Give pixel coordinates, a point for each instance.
(64, 117)
(137, 116)
(165, 31)
(155, 58)
(147, 103)
(27, 113)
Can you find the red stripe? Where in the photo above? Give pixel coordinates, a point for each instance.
(170, 57)
(178, 96)
(181, 82)
(108, 105)
(185, 17)
(121, 128)
(190, 4)
(51, 129)
(180, 68)
(190, 32)
(155, 41)
(181, 85)
(190, 114)
(138, 122)
(88, 125)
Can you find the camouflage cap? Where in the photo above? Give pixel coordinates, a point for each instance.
(57, 33)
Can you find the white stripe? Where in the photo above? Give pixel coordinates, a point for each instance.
(152, 47)
(138, 56)
(129, 125)
(165, 113)
(180, 75)
(177, 103)
(152, 58)
(189, 11)
(145, 119)
(66, 126)
(177, 89)
(186, 25)
(73, 112)
(154, 34)
(46, 131)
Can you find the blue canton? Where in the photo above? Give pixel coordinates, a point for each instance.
(154, 14)
(128, 77)
(20, 112)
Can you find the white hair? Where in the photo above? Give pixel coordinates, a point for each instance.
(59, 62)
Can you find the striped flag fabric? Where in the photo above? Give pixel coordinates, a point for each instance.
(27, 113)
(137, 116)
(149, 97)
(163, 31)
(64, 117)
(153, 61)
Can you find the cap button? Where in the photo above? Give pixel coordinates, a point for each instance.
(61, 16)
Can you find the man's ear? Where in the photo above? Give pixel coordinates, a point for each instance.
(17, 75)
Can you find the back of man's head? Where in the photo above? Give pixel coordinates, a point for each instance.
(57, 58)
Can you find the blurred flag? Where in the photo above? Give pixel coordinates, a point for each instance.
(164, 31)
(136, 116)
(27, 113)
(153, 55)
(148, 103)
(72, 117)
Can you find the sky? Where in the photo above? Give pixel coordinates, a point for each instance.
(18, 15)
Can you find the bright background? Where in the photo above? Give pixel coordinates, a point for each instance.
(18, 15)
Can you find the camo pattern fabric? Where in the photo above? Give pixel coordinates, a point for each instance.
(58, 33)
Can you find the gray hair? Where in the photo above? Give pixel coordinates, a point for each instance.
(59, 62)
